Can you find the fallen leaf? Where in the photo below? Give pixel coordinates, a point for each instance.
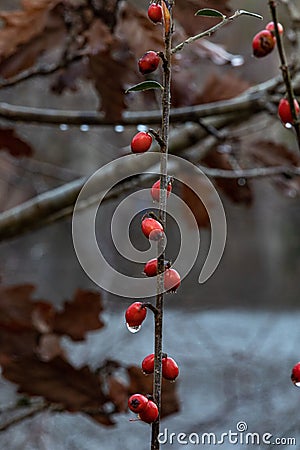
(19, 312)
(49, 347)
(23, 25)
(221, 87)
(16, 307)
(16, 344)
(270, 153)
(111, 66)
(118, 393)
(67, 78)
(79, 315)
(13, 144)
(137, 31)
(60, 383)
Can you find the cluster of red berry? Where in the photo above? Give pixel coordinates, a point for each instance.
(170, 368)
(263, 43)
(147, 63)
(144, 407)
(136, 313)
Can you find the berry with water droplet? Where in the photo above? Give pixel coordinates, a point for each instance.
(170, 369)
(152, 228)
(155, 13)
(148, 364)
(263, 43)
(141, 142)
(284, 110)
(135, 314)
(137, 403)
(270, 27)
(171, 280)
(150, 413)
(148, 62)
(155, 190)
(296, 374)
(150, 268)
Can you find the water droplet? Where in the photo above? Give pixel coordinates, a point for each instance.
(84, 128)
(141, 127)
(288, 125)
(63, 127)
(296, 383)
(237, 60)
(292, 193)
(241, 181)
(224, 148)
(133, 329)
(119, 128)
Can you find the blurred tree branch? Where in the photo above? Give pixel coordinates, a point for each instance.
(58, 203)
(252, 99)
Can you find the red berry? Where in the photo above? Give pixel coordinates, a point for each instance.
(141, 142)
(296, 374)
(170, 369)
(172, 280)
(150, 413)
(155, 13)
(149, 62)
(148, 364)
(137, 403)
(270, 27)
(150, 268)
(155, 190)
(135, 314)
(284, 110)
(151, 228)
(263, 43)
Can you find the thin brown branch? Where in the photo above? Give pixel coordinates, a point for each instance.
(255, 172)
(30, 412)
(249, 100)
(211, 30)
(286, 75)
(42, 168)
(41, 69)
(58, 203)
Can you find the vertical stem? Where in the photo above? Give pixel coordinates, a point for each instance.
(166, 96)
(285, 70)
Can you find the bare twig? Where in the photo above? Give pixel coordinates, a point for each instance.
(249, 100)
(164, 149)
(41, 69)
(58, 203)
(285, 71)
(212, 30)
(30, 412)
(256, 172)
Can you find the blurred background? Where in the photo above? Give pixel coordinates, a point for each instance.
(235, 338)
